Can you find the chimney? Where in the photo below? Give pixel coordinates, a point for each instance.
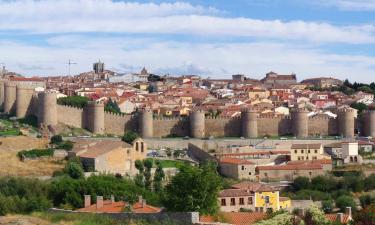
(340, 217)
(99, 202)
(348, 211)
(144, 203)
(87, 200)
(112, 198)
(140, 199)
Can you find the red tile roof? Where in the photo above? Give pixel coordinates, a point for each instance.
(118, 207)
(292, 167)
(333, 218)
(236, 218)
(235, 193)
(26, 79)
(235, 161)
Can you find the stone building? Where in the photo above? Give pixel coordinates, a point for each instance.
(302, 152)
(110, 156)
(258, 197)
(273, 80)
(237, 168)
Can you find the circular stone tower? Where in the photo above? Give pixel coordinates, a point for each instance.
(9, 98)
(300, 123)
(24, 96)
(95, 117)
(47, 108)
(2, 84)
(249, 123)
(197, 124)
(346, 122)
(369, 123)
(146, 123)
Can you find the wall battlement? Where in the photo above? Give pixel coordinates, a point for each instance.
(21, 101)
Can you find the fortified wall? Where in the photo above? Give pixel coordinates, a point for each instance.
(23, 101)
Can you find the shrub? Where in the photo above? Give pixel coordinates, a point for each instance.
(345, 201)
(67, 145)
(76, 101)
(129, 137)
(56, 139)
(35, 153)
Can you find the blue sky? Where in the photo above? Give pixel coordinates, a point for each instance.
(210, 38)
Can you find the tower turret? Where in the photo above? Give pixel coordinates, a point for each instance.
(346, 122)
(300, 123)
(95, 117)
(368, 123)
(197, 124)
(24, 96)
(249, 123)
(2, 84)
(146, 123)
(9, 98)
(47, 108)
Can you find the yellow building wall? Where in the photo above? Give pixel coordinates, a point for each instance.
(260, 200)
(286, 204)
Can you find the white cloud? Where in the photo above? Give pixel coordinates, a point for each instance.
(209, 59)
(80, 16)
(350, 5)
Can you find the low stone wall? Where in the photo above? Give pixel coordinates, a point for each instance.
(175, 217)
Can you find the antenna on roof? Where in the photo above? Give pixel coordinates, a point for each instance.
(69, 64)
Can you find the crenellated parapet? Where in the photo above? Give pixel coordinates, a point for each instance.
(300, 122)
(346, 121)
(197, 123)
(95, 117)
(249, 123)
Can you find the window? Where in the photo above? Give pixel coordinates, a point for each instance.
(232, 201)
(136, 146)
(295, 151)
(242, 202)
(314, 157)
(316, 151)
(267, 199)
(308, 151)
(249, 173)
(302, 151)
(310, 173)
(250, 201)
(265, 174)
(307, 158)
(242, 167)
(223, 202)
(299, 158)
(142, 146)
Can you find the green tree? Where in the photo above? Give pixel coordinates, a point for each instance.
(345, 201)
(359, 106)
(112, 106)
(370, 182)
(139, 178)
(158, 177)
(74, 169)
(148, 163)
(194, 189)
(76, 101)
(129, 137)
(301, 183)
(56, 139)
(323, 183)
(366, 200)
(327, 206)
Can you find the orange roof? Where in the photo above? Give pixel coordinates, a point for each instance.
(118, 207)
(333, 218)
(236, 218)
(318, 161)
(235, 161)
(273, 152)
(26, 79)
(292, 167)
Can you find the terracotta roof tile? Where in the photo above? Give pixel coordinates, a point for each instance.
(254, 186)
(235, 161)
